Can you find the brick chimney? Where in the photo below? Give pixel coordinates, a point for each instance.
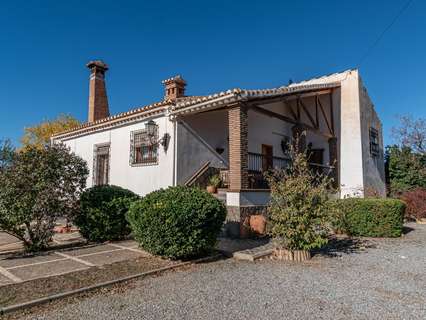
(174, 88)
(98, 100)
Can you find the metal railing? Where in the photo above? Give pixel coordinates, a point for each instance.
(258, 164)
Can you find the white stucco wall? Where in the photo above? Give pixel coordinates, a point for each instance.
(359, 171)
(373, 168)
(139, 179)
(193, 150)
(263, 129)
(351, 165)
(212, 127)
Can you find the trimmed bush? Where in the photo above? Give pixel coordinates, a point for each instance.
(103, 213)
(177, 222)
(416, 203)
(371, 217)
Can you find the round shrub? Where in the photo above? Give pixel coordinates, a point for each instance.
(103, 213)
(177, 222)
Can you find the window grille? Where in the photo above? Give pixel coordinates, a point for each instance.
(374, 142)
(142, 151)
(101, 164)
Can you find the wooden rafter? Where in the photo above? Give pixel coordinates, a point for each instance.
(289, 107)
(311, 119)
(316, 112)
(284, 118)
(332, 111)
(325, 117)
(298, 109)
(273, 114)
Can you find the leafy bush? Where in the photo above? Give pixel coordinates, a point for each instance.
(371, 217)
(38, 185)
(416, 203)
(406, 170)
(103, 213)
(177, 222)
(299, 205)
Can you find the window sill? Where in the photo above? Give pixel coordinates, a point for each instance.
(144, 164)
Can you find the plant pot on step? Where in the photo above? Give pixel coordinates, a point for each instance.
(211, 189)
(292, 255)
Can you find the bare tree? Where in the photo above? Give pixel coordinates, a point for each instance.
(411, 133)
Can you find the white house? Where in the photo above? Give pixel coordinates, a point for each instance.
(182, 139)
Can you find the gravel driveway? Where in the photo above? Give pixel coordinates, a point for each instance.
(375, 279)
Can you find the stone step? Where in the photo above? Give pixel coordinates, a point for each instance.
(221, 196)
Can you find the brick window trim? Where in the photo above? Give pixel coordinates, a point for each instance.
(132, 158)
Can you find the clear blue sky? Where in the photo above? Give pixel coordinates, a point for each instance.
(215, 45)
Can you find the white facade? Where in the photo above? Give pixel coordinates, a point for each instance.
(141, 179)
(197, 138)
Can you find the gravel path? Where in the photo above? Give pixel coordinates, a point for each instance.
(375, 279)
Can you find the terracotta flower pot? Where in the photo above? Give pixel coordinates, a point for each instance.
(292, 255)
(258, 224)
(211, 189)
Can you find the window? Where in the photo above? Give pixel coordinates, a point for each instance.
(374, 142)
(101, 164)
(142, 151)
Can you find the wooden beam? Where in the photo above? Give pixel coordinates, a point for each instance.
(273, 114)
(289, 107)
(311, 119)
(325, 117)
(316, 112)
(332, 112)
(298, 109)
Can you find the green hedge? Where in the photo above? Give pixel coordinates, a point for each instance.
(371, 217)
(177, 222)
(103, 213)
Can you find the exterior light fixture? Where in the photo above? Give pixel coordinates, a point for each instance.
(151, 130)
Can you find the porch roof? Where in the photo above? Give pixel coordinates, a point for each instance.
(225, 98)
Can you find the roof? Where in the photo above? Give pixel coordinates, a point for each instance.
(190, 103)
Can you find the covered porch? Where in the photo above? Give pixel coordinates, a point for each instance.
(252, 137)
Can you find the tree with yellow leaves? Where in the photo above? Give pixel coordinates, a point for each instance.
(39, 135)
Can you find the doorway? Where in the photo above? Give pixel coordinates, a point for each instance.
(267, 157)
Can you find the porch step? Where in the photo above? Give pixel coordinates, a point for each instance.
(221, 195)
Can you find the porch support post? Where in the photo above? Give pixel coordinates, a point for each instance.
(299, 137)
(238, 147)
(334, 161)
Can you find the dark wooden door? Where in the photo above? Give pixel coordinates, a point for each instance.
(267, 157)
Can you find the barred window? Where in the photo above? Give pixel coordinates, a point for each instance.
(101, 164)
(374, 142)
(142, 151)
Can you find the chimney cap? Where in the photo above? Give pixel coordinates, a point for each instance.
(98, 64)
(176, 79)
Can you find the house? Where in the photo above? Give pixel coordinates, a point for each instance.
(183, 139)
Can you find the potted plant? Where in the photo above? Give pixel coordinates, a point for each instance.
(298, 210)
(214, 183)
